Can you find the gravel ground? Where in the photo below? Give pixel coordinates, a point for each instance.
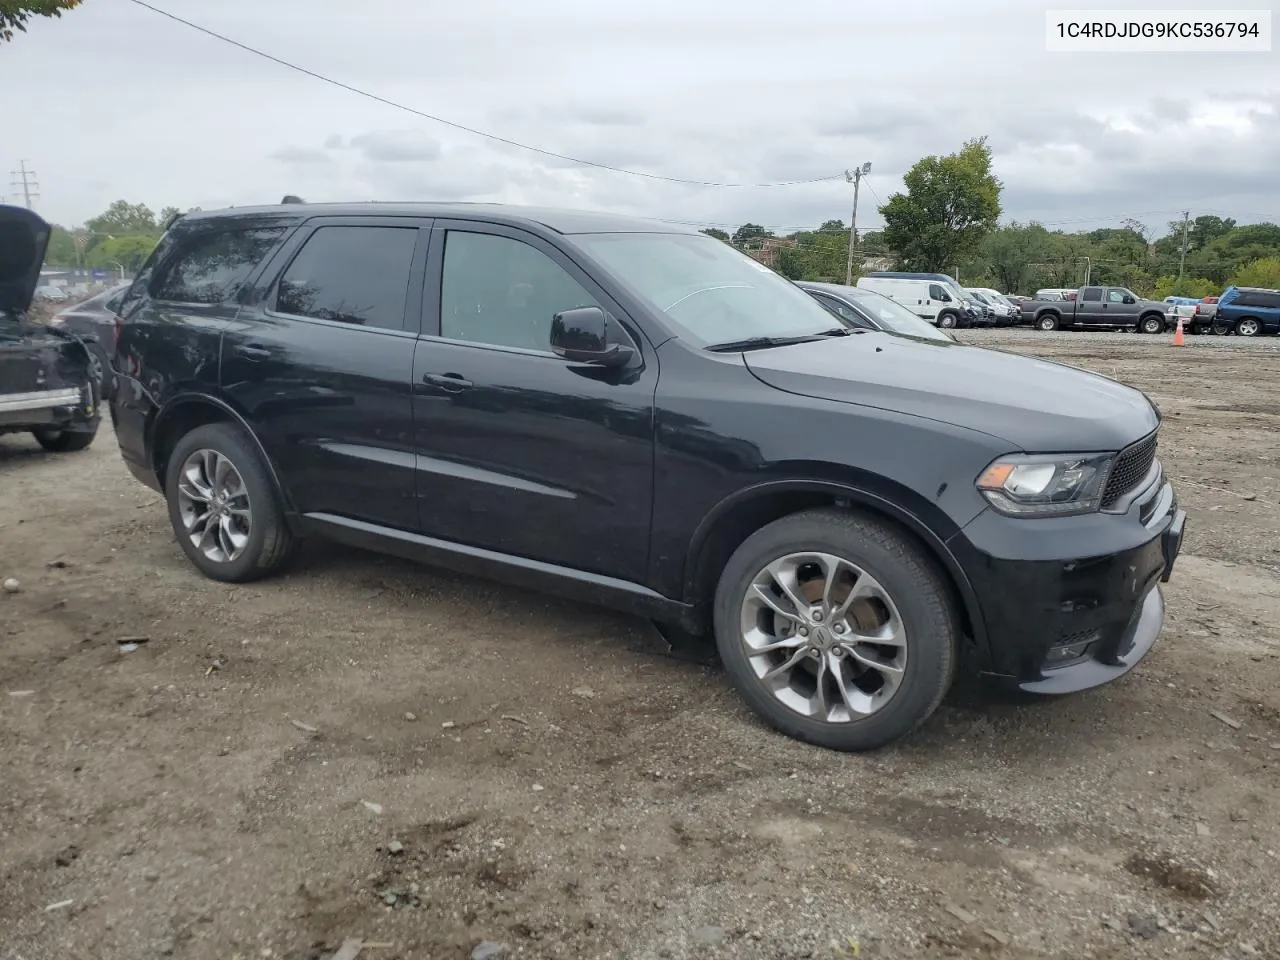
(364, 748)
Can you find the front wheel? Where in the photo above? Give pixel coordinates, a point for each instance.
(1248, 327)
(947, 321)
(223, 505)
(1151, 324)
(64, 441)
(836, 629)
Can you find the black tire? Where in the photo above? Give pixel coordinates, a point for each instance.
(1248, 327)
(947, 321)
(64, 441)
(1047, 322)
(1152, 323)
(911, 578)
(1220, 328)
(270, 541)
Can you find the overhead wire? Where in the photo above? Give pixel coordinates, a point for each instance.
(507, 141)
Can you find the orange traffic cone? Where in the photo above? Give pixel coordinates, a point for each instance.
(1177, 334)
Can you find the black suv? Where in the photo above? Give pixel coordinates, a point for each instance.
(49, 379)
(638, 415)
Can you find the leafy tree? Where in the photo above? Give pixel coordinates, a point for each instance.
(14, 14)
(1264, 272)
(1186, 287)
(718, 234)
(62, 248)
(952, 202)
(124, 218)
(129, 252)
(750, 231)
(1011, 252)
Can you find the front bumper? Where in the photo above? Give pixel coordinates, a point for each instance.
(1073, 602)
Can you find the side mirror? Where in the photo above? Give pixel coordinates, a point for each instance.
(944, 297)
(581, 335)
(1130, 298)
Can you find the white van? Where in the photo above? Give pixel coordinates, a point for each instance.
(941, 303)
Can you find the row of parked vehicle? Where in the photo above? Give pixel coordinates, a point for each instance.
(940, 300)
(833, 491)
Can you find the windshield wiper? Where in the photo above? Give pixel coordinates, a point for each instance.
(763, 343)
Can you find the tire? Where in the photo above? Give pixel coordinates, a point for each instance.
(926, 616)
(1220, 328)
(64, 441)
(1248, 327)
(252, 503)
(947, 321)
(1047, 322)
(1152, 323)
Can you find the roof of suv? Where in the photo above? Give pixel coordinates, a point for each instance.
(561, 221)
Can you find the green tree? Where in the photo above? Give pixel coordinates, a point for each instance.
(1264, 272)
(124, 218)
(750, 231)
(62, 248)
(1011, 253)
(14, 14)
(718, 234)
(128, 252)
(1196, 287)
(952, 202)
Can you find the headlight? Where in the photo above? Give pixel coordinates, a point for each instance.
(1046, 486)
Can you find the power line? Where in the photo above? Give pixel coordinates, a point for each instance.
(459, 126)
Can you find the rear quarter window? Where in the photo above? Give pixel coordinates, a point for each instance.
(211, 265)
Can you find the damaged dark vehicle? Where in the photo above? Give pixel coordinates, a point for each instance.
(49, 379)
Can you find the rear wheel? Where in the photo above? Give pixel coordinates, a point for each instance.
(223, 505)
(1248, 327)
(1151, 324)
(836, 629)
(64, 441)
(1221, 328)
(1047, 322)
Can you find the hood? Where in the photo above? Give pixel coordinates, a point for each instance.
(24, 236)
(1035, 405)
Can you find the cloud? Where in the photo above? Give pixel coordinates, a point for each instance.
(769, 94)
(301, 155)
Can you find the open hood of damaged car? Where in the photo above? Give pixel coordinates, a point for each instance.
(24, 238)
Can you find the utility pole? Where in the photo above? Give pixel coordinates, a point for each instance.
(854, 176)
(24, 180)
(1182, 261)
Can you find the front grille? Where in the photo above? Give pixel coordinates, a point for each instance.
(1130, 468)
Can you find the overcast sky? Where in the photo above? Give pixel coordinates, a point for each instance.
(119, 102)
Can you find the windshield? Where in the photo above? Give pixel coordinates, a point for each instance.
(708, 290)
(892, 316)
(978, 296)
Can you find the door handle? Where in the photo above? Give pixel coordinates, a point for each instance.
(253, 351)
(448, 382)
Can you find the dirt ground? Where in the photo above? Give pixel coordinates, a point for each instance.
(365, 748)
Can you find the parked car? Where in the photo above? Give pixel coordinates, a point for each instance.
(1207, 314)
(94, 321)
(933, 297)
(1097, 307)
(48, 379)
(1248, 311)
(51, 292)
(850, 515)
(865, 309)
(1002, 313)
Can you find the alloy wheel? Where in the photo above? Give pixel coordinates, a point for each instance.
(824, 637)
(213, 503)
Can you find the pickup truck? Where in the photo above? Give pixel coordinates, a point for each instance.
(1097, 308)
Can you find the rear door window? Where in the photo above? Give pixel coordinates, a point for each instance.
(357, 275)
(1092, 295)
